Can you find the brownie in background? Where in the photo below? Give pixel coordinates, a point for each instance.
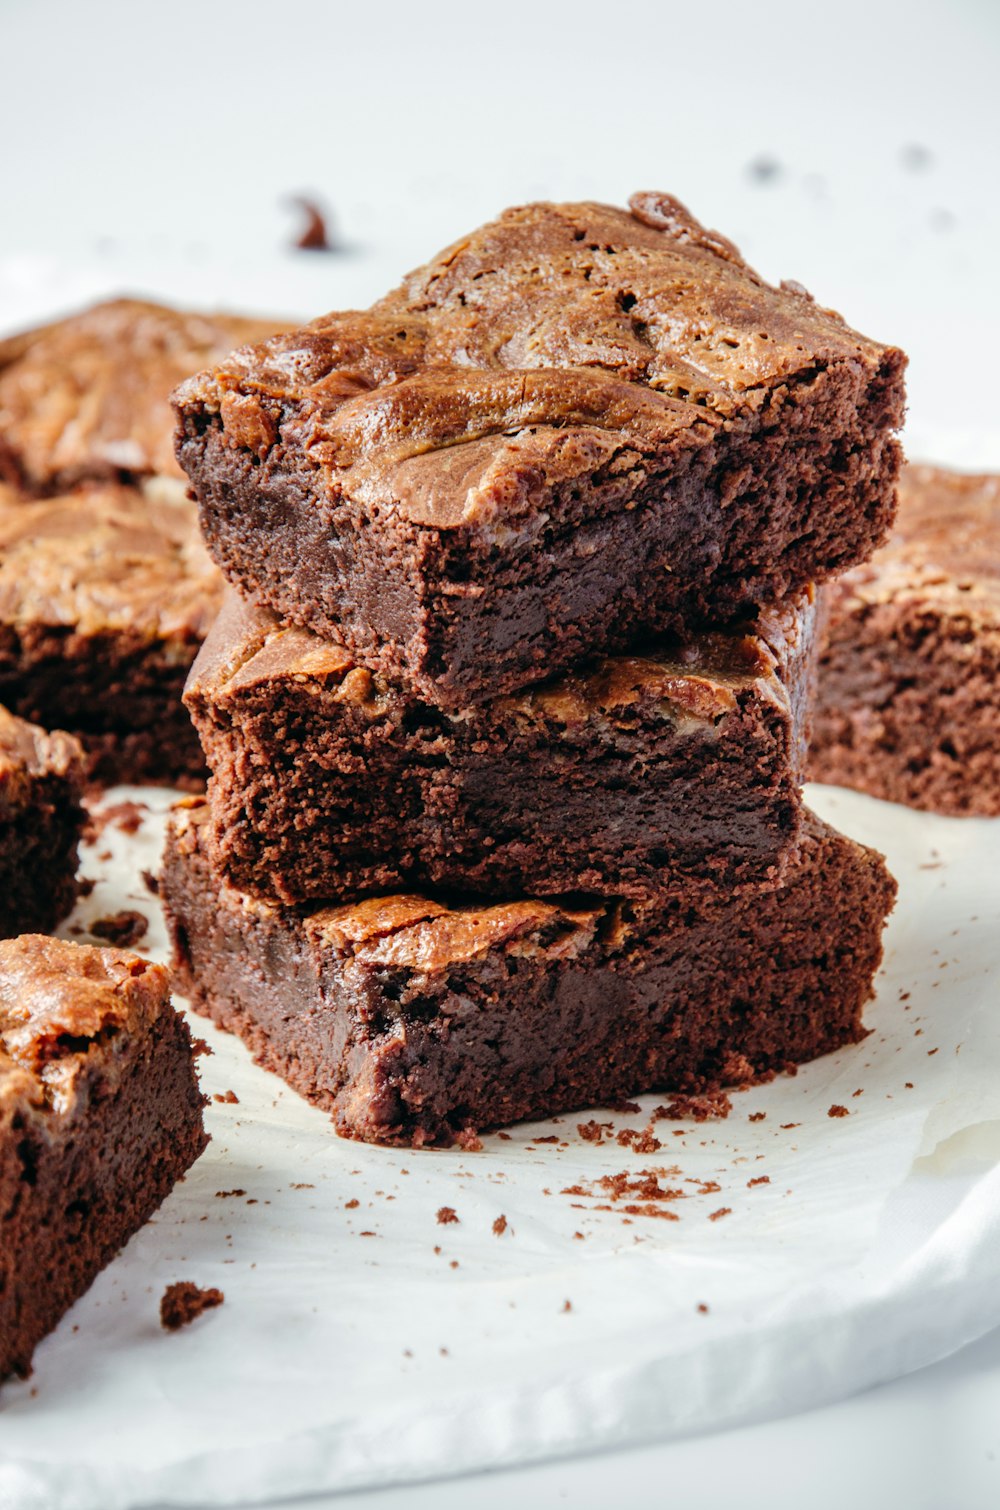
(908, 706)
(41, 818)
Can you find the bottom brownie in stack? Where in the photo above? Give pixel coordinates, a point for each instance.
(416, 1022)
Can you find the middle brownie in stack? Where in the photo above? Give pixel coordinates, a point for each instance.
(539, 531)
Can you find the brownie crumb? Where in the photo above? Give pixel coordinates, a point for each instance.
(762, 1179)
(183, 1302)
(716, 1104)
(702, 1309)
(500, 1226)
(127, 816)
(595, 1132)
(722, 1211)
(756, 1116)
(352, 1204)
(151, 881)
(838, 1111)
(122, 929)
(225, 1195)
(567, 1305)
(639, 1141)
(85, 886)
(228, 1098)
(446, 1215)
(315, 236)
(302, 1185)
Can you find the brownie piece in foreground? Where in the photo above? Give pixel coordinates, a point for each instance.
(909, 694)
(576, 426)
(88, 397)
(41, 818)
(416, 1022)
(679, 762)
(106, 594)
(100, 1115)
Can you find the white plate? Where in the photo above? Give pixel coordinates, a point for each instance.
(362, 1342)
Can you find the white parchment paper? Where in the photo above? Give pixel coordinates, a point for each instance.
(363, 1341)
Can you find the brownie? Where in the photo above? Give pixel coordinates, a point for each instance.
(100, 1115)
(414, 1021)
(909, 693)
(106, 594)
(576, 426)
(88, 397)
(41, 818)
(644, 772)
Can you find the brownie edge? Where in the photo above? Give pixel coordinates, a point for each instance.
(414, 1022)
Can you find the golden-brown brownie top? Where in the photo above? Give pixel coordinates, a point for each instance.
(557, 340)
(26, 752)
(693, 683)
(944, 550)
(61, 1004)
(107, 558)
(89, 396)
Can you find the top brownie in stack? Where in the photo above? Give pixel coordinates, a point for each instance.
(576, 425)
(105, 589)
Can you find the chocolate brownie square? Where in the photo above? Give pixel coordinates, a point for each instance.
(100, 1116)
(105, 591)
(677, 763)
(88, 397)
(577, 426)
(106, 594)
(908, 706)
(415, 1021)
(41, 818)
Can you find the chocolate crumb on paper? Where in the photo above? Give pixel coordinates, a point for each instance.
(446, 1215)
(315, 234)
(838, 1111)
(704, 1108)
(182, 1302)
(122, 929)
(151, 881)
(227, 1098)
(499, 1226)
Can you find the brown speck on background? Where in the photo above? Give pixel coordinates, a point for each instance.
(352, 1204)
(301, 1185)
(567, 1305)
(500, 1226)
(122, 929)
(228, 1098)
(931, 1053)
(446, 1215)
(756, 1116)
(838, 1111)
(702, 1309)
(764, 169)
(595, 1132)
(787, 1126)
(762, 1179)
(225, 1195)
(151, 882)
(858, 1092)
(315, 235)
(183, 1301)
(908, 1086)
(715, 1216)
(85, 886)
(578, 1236)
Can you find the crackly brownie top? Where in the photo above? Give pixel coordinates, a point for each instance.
(692, 683)
(27, 752)
(107, 558)
(944, 550)
(62, 1007)
(553, 342)
(89, 396)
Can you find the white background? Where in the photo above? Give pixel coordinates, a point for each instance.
(155, 148)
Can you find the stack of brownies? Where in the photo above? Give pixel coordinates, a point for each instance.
(506, 712)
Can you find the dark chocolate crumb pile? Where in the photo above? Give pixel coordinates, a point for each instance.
(183, 1302)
